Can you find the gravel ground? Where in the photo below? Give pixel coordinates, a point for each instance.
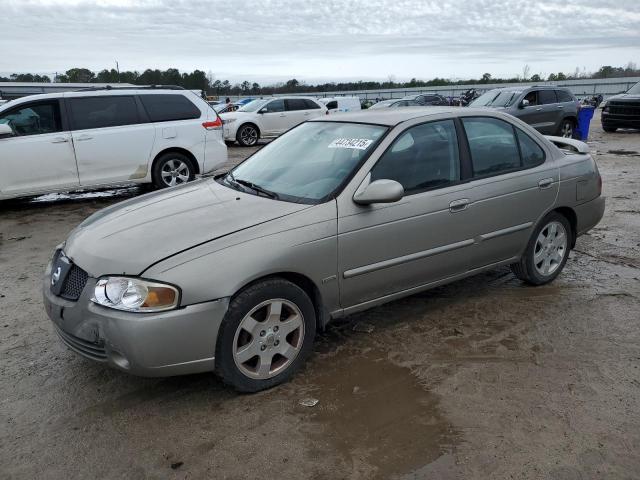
(483, 378)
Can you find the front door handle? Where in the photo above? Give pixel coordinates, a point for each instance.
(60, 140)
(82, 138)
(459, 205)
(282, 115)
(538, 109)
(545, 183)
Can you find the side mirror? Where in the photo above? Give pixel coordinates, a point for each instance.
(6, 130)
(524, 103)
(380, 191)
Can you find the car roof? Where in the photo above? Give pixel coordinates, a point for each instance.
(394, 116)
(522, 88)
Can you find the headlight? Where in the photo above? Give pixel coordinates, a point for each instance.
(603, 105)
(135, 295)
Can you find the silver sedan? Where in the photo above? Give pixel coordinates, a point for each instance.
(236, 274)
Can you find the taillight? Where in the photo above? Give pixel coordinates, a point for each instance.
(217, 123)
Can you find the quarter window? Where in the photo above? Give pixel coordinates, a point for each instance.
(34, 118)
(493, 146)
(167, 108)
(424, 157)
(530, 152)
(547, 96)
(311, 105)
(102, 112)
(332, 104)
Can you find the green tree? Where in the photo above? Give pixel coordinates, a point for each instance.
(535, 78)
(80, 75)
(486, 78)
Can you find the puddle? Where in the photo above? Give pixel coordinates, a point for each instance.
(376, 414)
(87, 195)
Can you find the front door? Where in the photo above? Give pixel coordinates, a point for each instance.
(388, 248)
(275, 119)
(111, 143)
(39, 156)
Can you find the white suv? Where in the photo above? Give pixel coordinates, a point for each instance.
(268, 117)
(88, 139)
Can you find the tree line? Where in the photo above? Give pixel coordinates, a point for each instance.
(199, 80)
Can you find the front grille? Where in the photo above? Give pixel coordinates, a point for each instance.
(93, 350)
(74, 283)
(626, 108)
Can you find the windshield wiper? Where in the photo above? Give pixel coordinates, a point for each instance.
(255, 187)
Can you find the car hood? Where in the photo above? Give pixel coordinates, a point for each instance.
(130, 236)
(624, 96)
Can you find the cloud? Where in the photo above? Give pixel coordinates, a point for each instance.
(328, 38)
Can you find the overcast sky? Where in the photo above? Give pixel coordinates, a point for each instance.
(310, 40)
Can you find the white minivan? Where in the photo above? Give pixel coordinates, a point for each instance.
(341, 104)
(100, 137)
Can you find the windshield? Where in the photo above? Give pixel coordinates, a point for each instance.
(495, 98)
(254, 105)
(307, 163)
(635, 89)
(382, 104)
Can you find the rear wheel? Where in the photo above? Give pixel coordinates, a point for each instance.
(247, 135)
(266, 335)
(608, 129)
(567, 128)
(172, 169)
(547, 251)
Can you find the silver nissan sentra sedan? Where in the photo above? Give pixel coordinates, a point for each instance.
(236, 274)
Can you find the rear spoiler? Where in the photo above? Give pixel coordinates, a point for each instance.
(569, 144)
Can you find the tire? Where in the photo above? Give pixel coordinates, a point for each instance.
(567, 128)
(229, 143)
(540, 254)
(609, 129)
(172, 169)
(255, 351)
(248, 135)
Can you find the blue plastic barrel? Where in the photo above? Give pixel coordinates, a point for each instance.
(584, 119)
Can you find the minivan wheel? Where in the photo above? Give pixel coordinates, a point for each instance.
(566, 128)
(248, 135)
(547, 251)
(265, 336)
(172, 169)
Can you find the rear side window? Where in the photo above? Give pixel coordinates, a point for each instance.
(311, 105)
(564, 96)
(34, 118)
(332, 104)
(167, 108)
(101, 112)
(546, 97)
(530, 152)
(296, 104)
(493, 146)
(422, 158)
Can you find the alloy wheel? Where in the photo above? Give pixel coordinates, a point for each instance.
(268, 339)
(567, 130)
(175, 172)
(249, 136)
(551, 247)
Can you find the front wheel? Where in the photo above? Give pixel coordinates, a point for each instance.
(172, 169)
(547, 251)
(265, 336)
(248, 135)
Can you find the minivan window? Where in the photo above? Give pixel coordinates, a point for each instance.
(564, 96)
(332, 104)
(296, 104)
(167, 107)
(101, 112)
(492, 145)
(546, 97)
(34, 118)
(422, 158)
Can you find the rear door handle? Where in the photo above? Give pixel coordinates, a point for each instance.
(306, 113)
(82, 138)
(545, 183)
(459, 205)
(60, 140)
(538, 109)
(560, 106)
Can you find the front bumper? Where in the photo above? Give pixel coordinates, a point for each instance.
(622, 121)
(151, 345)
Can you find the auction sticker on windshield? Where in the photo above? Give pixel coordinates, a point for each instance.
(357, 143)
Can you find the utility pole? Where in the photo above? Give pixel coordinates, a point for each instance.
(118, 70)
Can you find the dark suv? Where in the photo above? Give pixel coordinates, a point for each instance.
(550, 110)
(429, 99)
(622, 111)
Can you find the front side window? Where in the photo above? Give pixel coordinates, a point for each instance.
(308, 163)
(274, 106)
(547, 96)
(422, 158)
(34, 118)
(102, 112)
(492, 145)
(166, 108)
(532, 98)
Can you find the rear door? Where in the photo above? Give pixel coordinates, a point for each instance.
(112, 138)
(39, 156)
(513, 185)
(551, 112)
(296, 111)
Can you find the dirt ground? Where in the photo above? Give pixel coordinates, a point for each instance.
(484, 378)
